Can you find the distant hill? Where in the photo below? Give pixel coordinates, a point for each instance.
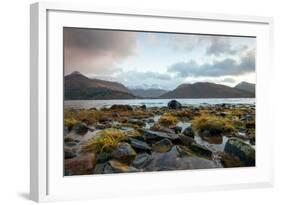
(148, 93)
(249, 87)
(79, 87)
(206, 90)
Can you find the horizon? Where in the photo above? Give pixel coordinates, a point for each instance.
(77, 72)
(145, 60)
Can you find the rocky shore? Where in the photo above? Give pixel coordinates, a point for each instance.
(125, 138)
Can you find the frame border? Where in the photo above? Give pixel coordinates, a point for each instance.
(39, 188)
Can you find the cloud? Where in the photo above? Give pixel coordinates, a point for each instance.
(93, 51)
(228, 80)
(222, 45)
(225, 67)
(147, 79)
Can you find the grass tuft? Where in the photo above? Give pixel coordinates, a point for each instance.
(106, 140)
(211, 122)
(168, 119)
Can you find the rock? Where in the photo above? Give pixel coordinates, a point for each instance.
(250, 124)
(228, 160)
(211, 138)
(188, 132)
(172, 161)
(83, 164)
(150, 120)
(173, 104)
(124, 152)
(103, 157)
(142, 160)
(65, 130)
(163, 145)
(99, 169)
(140, 145)
(253, 141)
(201, 150)
(121, 107)
(136, 122)
(102, 126)
(68, 139)
(70, 144)
(121, 167)
(186, 140)
(115, 114)
(105, 119)
(156, 135)
(80, 128)
(184, 151)
(177, 129)
(240, 149)
(68, 155)
(143, 107)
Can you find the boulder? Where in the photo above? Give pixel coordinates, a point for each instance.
(81, 165)
(156, 135)
(121, 107)
(228, 160)
(68, 155)
(173, 104)
(172, 160)
(163, 145)
(201, 150)
(124, 152)
(121, 167)
(188, 132)
(103, 157)
(240, 149)
(138, 122)
(177, 129)
(186, 140)
(80, 128)
(140, 145)
(142, 160)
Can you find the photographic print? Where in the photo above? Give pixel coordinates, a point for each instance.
(139, 101)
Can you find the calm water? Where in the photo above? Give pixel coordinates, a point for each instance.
(155, 102)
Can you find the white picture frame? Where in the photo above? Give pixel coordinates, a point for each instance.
(46, 179)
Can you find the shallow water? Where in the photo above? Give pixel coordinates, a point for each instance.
(156, 102)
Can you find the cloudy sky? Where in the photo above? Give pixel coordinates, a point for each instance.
(159, 60)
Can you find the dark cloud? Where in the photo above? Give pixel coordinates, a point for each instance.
(226, 67)
(220, 46)
(91, 51)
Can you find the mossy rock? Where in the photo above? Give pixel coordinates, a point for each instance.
(240, 149)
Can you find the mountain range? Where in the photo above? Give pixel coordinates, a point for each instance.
(79, 87)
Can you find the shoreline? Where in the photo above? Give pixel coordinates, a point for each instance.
(125, 138)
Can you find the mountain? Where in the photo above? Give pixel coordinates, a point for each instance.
(79, 87)
(206, 90)
(148, 93)
(249, 87)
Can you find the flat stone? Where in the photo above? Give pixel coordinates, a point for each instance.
(156, 135)
(137, 144)
(163, 145)
(81, 165)
(200, 150)
(121, 167)
(142, 160)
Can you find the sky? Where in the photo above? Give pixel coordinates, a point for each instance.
(159, 60)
